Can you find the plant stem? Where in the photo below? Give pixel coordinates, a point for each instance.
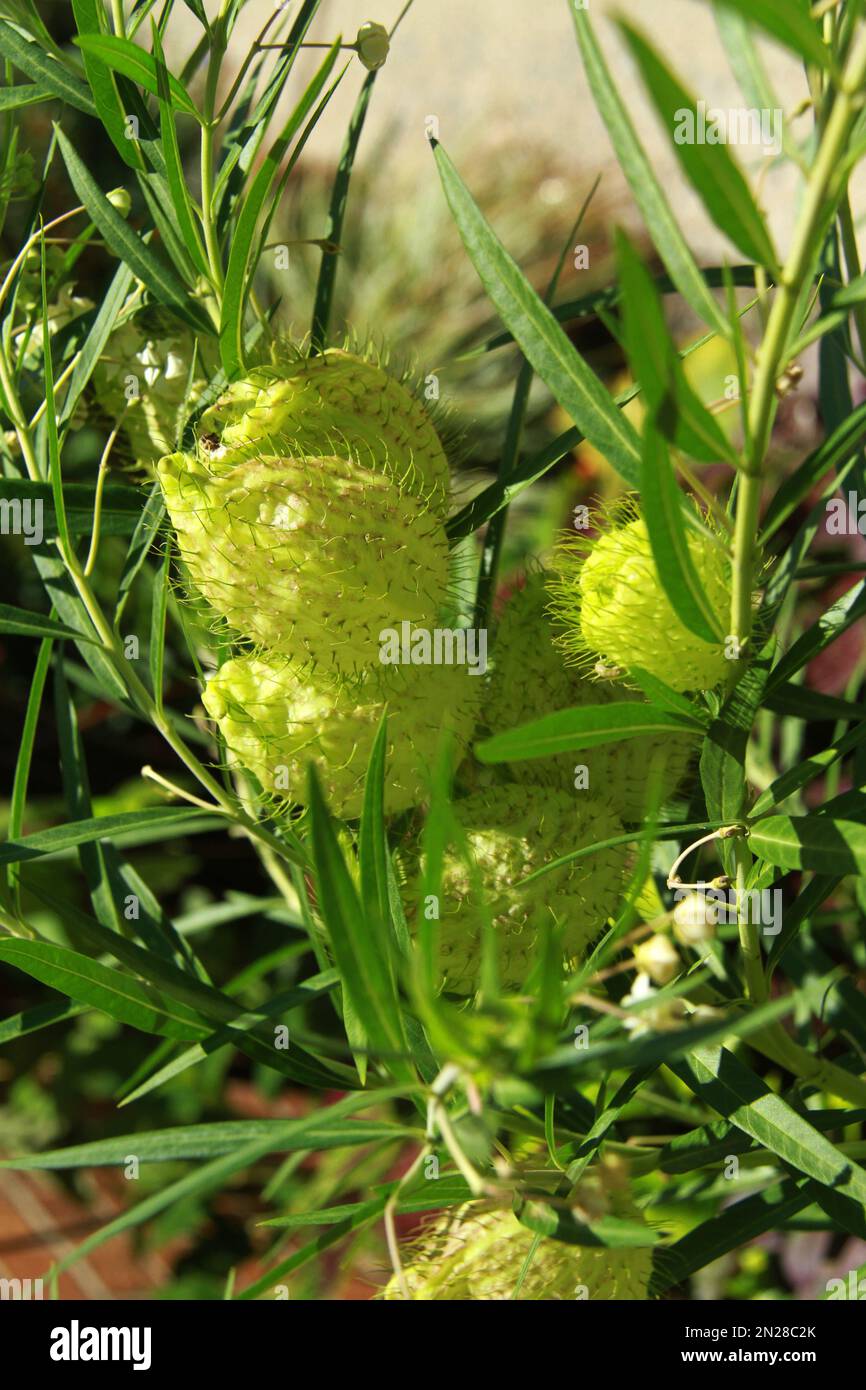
(771, 354)
(756, 984)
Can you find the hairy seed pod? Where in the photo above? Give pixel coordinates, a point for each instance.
(276, 718)
(142, 381)
(334, 403)
(311, 557)
(610, 603)
(510, 831)
(472, 1255)
(531, 679)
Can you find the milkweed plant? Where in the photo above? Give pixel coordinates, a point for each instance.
(560, 856)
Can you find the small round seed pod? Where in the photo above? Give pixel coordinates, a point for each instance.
(333, 403)
(312, 557)
(276, 718)
(510, 831)
(530, 679)
(480, 1255)
(611, 606)
(372, 44)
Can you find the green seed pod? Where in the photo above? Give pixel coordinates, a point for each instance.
(334, 403)
(472, 1255)
(142, 381)
(611, 605)
(510, 831)
(372, 44)
(276, 718)
(312, 557)
(530, 679)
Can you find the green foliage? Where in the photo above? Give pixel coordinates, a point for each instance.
(167, 957)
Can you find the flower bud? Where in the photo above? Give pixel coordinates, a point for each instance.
(120, 200)
(372, 44)
(658, 1017)
(658, 959)
(695, 919)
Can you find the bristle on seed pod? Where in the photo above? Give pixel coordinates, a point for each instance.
(612, 608)
(472, 1255)
(276, 718)
(332, 403)
(530, 679)
(510, 831)
(311, 557)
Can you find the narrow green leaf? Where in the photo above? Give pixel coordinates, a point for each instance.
(847, 437)
(177, 181)
(62, 837)
(147, 527)
(211, 1176)
(711, 169)
(679, 415)
(357, 942)
(238, 271)
(18, 622)
(26, 94)
(31, 58)
(372, 835)
(820, 843)
(585, 727)
(105, 94)
(645, 187)
(159, 278)
(542, 340)
(724, 1082)
(336, 213)
(42, 1016)
(662, 504)
(94, 344)
(54, 472)
(156, 651)
(133, 62)
(734, 1228)
(18, 800)
(796, 777)
(210, 1140)
(660, 694)
(788, 21)
(100, 987)
(837, 619)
